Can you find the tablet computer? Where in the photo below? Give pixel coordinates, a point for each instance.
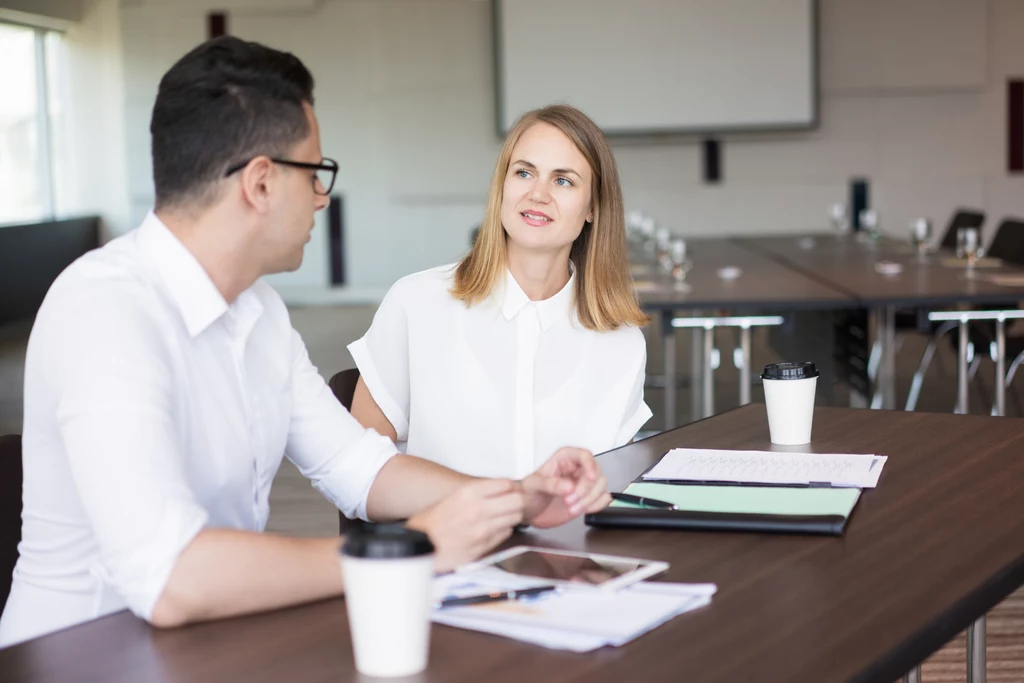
(608, 572)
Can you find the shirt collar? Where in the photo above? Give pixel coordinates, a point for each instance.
(197, 298)
(549, 311)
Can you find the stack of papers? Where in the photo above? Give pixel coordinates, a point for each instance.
(685, 465)
(575, 619)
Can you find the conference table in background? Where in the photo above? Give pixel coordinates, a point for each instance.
(763, 285)
(934, 547)
(794, 274)
(849, 263)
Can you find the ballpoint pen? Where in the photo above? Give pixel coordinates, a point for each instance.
(643, 501)
(495, 597)
(748, 484)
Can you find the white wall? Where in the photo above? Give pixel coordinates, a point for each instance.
(95, 180)
(63, 10)
(913, 97)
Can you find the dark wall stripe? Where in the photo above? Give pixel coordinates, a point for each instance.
(336, 227)
(217, 24)
(1015, 125)
(32, 255)
(712, 161)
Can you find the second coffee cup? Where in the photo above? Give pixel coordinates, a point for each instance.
(789, 397)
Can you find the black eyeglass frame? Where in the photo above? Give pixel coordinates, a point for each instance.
(325, 165)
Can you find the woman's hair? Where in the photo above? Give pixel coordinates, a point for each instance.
(604, 296)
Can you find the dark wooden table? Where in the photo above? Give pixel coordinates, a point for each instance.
(847, 264)
(765, 283)
(936, 545)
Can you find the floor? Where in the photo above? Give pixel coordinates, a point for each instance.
(296, 508)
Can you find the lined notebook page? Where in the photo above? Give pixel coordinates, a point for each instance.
(768, 467)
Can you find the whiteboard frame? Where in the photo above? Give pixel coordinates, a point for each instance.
(813, 124)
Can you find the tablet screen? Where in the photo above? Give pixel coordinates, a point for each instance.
(559, 567)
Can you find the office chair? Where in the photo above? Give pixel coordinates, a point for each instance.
(10, 510)
(1007, 246)
(916, 319)
(962, 218)
(343, 384)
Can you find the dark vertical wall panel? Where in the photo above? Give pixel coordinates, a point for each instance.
(1015, 125)
(217, 24)
(33, 255)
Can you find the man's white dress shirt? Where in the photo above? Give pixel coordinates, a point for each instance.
(154, 409)
(495, 388)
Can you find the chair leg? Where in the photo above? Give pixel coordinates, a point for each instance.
(1013, 368)
(975, 364)
(926, 360)
(874, 360)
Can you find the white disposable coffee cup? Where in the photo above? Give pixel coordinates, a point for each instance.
(789, 398)
(388, 572)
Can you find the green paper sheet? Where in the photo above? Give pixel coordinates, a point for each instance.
(759, 500)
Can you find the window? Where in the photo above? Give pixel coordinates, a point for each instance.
(31, 112)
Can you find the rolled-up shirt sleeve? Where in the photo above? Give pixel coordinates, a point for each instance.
(116, 416)
(328, 445)
(382, 356)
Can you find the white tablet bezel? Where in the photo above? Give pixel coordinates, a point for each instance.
(647, 568)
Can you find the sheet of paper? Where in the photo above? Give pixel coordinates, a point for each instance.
(755, 500)
(561, 639)
(768, 467)
(578, 620)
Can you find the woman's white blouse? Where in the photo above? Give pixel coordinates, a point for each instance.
(494, 389)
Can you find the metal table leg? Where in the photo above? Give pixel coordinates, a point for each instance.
(913, 676)
(668, 340)
(1000, 379)
(708, 383)
(745, 362)
(696, 370)
(887, 363)
(976, 652)
(961, 371)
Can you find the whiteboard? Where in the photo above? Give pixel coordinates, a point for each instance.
(644, 66)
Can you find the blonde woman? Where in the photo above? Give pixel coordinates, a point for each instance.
(531, 342)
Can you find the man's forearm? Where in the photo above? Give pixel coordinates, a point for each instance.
(225, 572)
(407, 484)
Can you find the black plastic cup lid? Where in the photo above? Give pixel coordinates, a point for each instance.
(387, 542)
(805, 370)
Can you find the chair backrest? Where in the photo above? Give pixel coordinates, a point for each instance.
(1008, 244)
(963, 218)
(10, 510)
(343, 384)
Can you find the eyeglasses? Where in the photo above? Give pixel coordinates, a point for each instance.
(326, 171)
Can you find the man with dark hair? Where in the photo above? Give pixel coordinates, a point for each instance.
(164, 383)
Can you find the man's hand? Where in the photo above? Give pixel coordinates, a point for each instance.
(471, 521)
(569, 484)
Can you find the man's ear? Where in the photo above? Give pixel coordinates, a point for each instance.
(257, 177)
